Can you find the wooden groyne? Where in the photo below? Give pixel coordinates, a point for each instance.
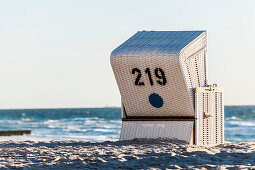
(14, 132)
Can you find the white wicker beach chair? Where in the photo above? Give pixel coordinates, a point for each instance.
(162, 80)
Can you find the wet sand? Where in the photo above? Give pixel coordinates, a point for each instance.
(135, 154)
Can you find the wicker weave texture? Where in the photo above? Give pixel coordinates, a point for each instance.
(193, 62)
(181, 130)
(209, 118)
(159, 43)
(136, 98)
(184, 67)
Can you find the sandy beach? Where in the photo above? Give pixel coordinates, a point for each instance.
(135, 154)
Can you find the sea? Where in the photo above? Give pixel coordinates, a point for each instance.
(103, 124)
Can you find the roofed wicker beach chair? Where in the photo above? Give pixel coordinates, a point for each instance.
(162, 80)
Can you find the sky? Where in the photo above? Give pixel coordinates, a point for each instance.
(56, 53)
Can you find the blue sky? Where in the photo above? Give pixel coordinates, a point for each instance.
(55, 53)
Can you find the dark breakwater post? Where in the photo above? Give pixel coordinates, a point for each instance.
(14, 132)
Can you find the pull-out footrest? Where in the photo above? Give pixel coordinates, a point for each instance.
(181, 130)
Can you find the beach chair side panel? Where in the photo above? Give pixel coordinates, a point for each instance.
(193, 62)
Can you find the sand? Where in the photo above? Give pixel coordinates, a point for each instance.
(135, 154)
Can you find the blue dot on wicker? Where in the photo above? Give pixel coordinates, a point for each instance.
(156, 100)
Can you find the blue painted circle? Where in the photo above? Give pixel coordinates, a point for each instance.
(156, 100)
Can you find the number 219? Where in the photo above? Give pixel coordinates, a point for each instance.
(159, 73)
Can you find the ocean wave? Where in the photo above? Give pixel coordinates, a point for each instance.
(242, 123)
(28, 120)
(233, 118)
(73, 128)
(105, 130)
